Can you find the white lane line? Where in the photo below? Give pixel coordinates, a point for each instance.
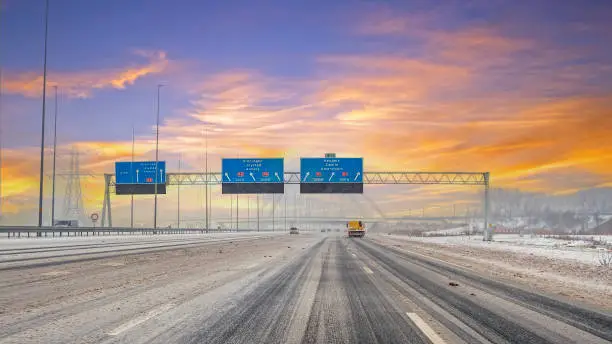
(367, 270)
(139, 320)
(427, 331)
(354, 255)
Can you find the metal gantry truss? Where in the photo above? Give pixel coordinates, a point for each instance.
(423, 178)
(391, 178)
(457, 178)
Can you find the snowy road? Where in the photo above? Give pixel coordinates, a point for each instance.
(268, 288)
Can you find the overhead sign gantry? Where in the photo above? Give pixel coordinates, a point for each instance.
(140, 177)
(252, 176)
(331, 175)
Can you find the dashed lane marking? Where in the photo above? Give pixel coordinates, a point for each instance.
(139, 320)
(427, 331)
(354, 255)
(367, 270)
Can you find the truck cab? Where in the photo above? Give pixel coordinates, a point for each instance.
(355, 229)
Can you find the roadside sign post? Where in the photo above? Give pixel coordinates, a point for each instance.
(94, 218)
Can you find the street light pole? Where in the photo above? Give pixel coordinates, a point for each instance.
(156, 156)
(42, 132)
(54, 157)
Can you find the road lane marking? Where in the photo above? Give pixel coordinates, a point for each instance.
(139, 320)
(367, 270)
(354, 255)
(55, 273)
(427, 331)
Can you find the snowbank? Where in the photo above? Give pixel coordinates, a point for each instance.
(581, 249)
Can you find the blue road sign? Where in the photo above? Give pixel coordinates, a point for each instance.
(331, 170)
(140, 172)
(264, 170)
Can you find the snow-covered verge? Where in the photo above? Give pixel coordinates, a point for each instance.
(41, 242)
(567, 271)
(578, 248)
(448, 231)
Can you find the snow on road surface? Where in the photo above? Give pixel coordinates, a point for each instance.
(541, 263)
(19, 253)
(307, 288)
(39, 242)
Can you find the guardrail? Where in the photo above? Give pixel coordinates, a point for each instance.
(29, 231)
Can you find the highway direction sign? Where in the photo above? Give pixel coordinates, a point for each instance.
(139, 177)
(331, 175)
(258, 175)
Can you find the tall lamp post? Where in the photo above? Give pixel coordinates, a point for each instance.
(54, 158)
(42, 132)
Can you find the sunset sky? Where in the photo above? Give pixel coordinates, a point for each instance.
(522, 89)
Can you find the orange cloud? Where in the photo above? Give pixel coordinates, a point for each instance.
(382, 87)
(81, 84)
(458, 45)
(570, 133)
(389, 110)
(17, 178)
(442, 112)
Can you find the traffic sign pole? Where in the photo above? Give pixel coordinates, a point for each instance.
(156, 158)
(258, 212)
(54, 159)
(132, 198)
(178, 198)
(94, 218)
(237, 213)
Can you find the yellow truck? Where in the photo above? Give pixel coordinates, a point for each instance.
(355, 228)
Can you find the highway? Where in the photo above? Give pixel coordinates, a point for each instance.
(267, 288)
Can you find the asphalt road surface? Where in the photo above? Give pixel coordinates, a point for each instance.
(267, 288)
